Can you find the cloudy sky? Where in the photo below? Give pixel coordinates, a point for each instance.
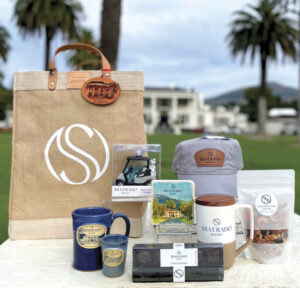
(175, 42)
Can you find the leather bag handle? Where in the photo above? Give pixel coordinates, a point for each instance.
(85, 62)
(52, 81)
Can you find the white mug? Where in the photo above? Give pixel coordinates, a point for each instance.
(216, 223)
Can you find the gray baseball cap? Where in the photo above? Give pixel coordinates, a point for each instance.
(212, 162)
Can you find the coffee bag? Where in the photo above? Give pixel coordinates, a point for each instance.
(272, 196)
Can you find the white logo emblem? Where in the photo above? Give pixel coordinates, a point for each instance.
(90, 132)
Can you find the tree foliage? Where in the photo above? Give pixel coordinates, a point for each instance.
(109, 39)
(5, 94)
(51, 16)
(263, 29)
(85, 59)
(273, 101)
(187, 209)
(158, 210)
(171, 204)
(5, 101)
(110, 30)
(4, 45)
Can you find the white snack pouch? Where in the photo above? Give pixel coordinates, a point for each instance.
(272, 196)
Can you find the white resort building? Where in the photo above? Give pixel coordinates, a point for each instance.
(282, 121)
(174, 109)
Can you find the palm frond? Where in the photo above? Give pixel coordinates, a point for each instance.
(4, 45)
(262, 28)
(32, 15)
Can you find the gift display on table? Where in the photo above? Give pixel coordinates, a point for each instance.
(81, 166)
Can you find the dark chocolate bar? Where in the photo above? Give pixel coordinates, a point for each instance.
(147, 263)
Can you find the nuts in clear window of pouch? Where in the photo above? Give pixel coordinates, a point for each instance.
(269, 236)
(271, 194)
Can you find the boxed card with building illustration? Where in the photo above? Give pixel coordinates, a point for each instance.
(134, 168)
(172, 202)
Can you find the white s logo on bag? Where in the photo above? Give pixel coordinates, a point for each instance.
(90, 132)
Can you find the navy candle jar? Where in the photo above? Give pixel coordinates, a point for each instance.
(90, 224)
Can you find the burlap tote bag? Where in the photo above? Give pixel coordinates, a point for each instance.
(64, 127)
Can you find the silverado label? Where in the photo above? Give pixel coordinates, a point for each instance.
(113, 257)
(89, 236)
(210, 158)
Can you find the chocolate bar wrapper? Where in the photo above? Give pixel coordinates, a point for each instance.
(147, 263)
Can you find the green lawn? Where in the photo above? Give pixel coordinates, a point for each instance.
(5, 160)
(272, 153)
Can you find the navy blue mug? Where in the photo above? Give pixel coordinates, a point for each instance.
(90, 225)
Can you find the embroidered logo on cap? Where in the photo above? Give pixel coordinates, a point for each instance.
(210, 158)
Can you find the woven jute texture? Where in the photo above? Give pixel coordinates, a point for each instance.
(62, 153)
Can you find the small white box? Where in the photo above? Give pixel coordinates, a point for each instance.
(134, 168)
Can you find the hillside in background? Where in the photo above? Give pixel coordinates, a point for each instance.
(287, 94)
(162, 199)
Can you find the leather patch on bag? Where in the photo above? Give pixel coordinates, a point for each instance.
(100, 91)
(77, 78)
(210, 158)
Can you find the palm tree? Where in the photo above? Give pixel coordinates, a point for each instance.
(109, 44)
(50, 15)
(285, 4)
(263, 30)
(110, 30)
(83, 58)
(4, 46)
(5, 95)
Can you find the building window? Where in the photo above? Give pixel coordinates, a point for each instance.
(183, 118)
(183, 102)
(164, 102)
(147, 102)
(221, 121)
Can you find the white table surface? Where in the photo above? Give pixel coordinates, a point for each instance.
(48, 263)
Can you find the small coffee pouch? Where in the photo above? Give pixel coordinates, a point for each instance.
(272, 196)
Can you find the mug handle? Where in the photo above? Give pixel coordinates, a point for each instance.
(126, 219)
(249, 241)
